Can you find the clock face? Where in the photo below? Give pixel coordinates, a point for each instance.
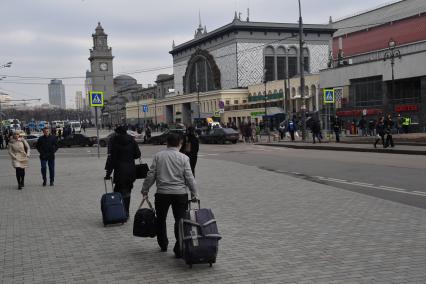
(103, 66)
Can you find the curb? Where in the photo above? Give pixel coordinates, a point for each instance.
(348, 149)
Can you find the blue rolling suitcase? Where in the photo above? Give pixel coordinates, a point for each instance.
(112, 208)
(199, 236)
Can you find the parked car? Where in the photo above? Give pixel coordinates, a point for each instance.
(103, 142)
(32, 139)
(77, 140)
(220, 136)
(162, 138)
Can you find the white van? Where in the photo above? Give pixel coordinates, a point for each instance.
(76, 125)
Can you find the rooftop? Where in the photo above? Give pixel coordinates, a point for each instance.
(237, 24)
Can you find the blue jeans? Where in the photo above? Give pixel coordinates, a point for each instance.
(51, 164)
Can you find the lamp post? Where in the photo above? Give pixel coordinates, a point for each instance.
(390, 55)
(155, 108)
(302, 75)
(198, 102)
(266, 110)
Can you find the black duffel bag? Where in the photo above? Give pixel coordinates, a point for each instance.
(144, 224)
(142, 170)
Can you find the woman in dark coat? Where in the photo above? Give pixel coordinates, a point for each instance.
(121, 160)
(380, 129)
(190, 147)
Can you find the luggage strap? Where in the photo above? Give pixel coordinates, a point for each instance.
(147, 201)
(198, 224)
(210, 236)
(194, 231)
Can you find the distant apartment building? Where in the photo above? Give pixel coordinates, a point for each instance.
(79, 103)
(57, 93)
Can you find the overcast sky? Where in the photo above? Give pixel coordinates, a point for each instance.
(52, 38)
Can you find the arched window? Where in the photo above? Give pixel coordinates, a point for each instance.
(292, 62)
(306, 60)
(293, 92)
(313, 90)
(269, 64)
(281, 63)
(306, 94)
(202, 73)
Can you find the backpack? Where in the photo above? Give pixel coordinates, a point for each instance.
(291, 126)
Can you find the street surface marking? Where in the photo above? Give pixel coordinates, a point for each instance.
(382, 187)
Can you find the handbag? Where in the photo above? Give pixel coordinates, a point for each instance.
(142, 170)
(144, 224)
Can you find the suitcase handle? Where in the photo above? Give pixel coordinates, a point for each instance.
(194, 201)
(147, 201)
(112, 185)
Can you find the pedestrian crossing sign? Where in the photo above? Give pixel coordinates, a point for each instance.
(96, 99)
(329, 96)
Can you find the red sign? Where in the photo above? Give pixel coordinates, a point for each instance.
(358, 112)
(405, 108)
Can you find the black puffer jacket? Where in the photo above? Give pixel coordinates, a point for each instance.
(124, 151)
(47, 146)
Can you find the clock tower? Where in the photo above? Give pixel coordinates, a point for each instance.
(101, 72)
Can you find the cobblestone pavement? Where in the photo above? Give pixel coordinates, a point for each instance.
(276, 229)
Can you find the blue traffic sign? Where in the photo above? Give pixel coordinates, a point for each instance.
(145, 108)
(329, 96)
(96, 99)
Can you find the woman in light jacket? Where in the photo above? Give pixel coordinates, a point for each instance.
(19, 150)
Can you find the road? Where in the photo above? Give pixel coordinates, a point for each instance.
(398, 178)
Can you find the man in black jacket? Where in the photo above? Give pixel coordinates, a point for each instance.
(123, 151)
(47, 147)
(190, 147)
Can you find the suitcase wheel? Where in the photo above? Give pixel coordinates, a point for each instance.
(190, 265)
(211, 264)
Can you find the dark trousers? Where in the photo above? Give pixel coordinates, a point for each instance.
(316, 135)
(292, 135)
(125, 191)
(382, 137)
(337, 133)
(179, 203)
(20, 176)
(51, 164)
(389, 140)
(193, 163)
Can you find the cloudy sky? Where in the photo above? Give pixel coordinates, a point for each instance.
(52, 38)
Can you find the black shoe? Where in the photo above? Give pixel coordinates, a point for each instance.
(19, 187)
(44, 183)
(51, 183)
(163, 249)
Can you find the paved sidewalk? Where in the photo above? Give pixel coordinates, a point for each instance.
(276, 229)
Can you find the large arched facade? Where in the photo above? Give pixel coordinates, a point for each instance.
(202, 73)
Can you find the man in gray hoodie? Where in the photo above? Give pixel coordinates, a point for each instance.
(172, 173)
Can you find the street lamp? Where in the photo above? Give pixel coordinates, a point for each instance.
(390, 55)
(266, 110)
(302, 75)
(198, 102)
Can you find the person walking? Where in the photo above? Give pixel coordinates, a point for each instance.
(190, 147)
(171, 171)
(380, 130)
(19, 151)
(1, 140)
(336, 128)
(47, 146)
(388, 131)
(316, 130)
(292, 128)
(121, 161)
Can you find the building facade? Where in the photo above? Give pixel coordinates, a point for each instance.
(57, 93)
(236, 55)
(79, 100)
(378, 63)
